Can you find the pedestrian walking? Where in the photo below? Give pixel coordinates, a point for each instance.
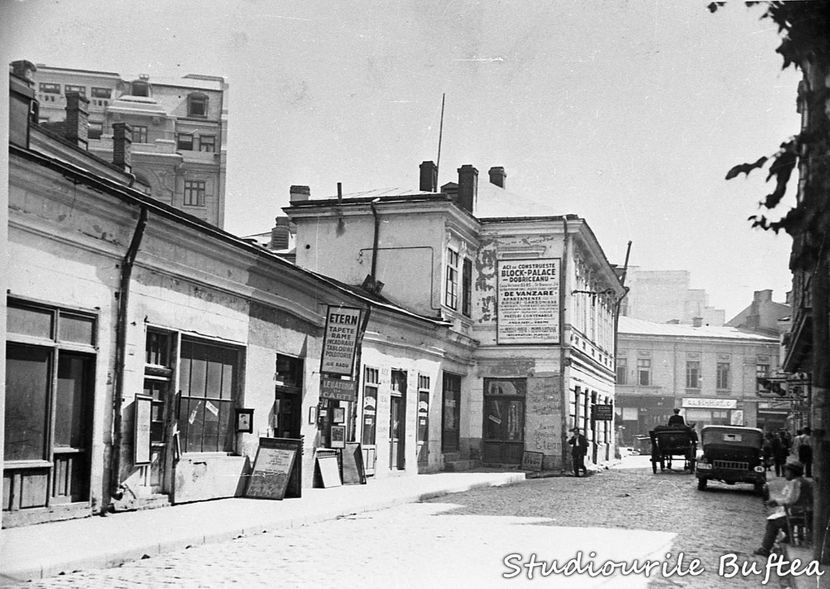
(779, 453)
(804, 449)
(766, 451)
(579, 448)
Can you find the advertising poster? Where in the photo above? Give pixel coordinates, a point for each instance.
(528, 301)
(342, 330)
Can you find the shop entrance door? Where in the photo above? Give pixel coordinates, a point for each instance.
(504, 415)
(397, 421)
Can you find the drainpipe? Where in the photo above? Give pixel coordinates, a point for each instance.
(121, 350)
(375, 239)
(564, 357)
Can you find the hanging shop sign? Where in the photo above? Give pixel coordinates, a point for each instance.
(528, 301)
(340, 341)
(337, 389)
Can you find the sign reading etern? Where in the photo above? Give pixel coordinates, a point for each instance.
(342, 330)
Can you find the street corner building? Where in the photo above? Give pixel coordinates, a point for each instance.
(151, 356)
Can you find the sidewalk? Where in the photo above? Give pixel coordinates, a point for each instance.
(46, 550)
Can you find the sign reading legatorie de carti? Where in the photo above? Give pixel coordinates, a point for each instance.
(342, 330)
(528, 301)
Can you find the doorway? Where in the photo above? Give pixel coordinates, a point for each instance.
(504, 416)
(397, 421)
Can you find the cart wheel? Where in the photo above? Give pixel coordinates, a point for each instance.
(701, 484)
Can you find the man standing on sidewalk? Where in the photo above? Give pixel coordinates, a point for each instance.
(579, 448)
(804, 450)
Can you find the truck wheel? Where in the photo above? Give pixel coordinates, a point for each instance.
(701, 484)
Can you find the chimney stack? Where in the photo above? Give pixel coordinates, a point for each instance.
(498, 176)
(697, 321)
(299, 194)
(122, 139)
(429, 177)
(280, 234)
(76, 126)
(467, 187)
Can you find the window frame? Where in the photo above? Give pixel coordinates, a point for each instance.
(371, 386)
(644, 368)
(451, 280)
(211, 143)
(139, 133)
(182, 142)
(723, 374)
(49, 88)
(67, 88)
(693, 374)
(621, 371)
(98, 92)
(197, 188)
(197, 98)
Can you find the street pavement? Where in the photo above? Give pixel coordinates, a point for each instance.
(490, 537)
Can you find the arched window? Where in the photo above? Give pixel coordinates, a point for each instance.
(197, 105)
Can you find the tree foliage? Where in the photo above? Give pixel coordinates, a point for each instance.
(804, 28)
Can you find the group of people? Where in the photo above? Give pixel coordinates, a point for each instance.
(779, 446)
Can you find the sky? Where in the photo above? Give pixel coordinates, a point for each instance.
(626, 113)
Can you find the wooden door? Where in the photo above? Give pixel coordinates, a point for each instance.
(397, 421)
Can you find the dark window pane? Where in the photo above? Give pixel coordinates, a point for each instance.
(73, 328)
(72, 400)
(27, 383)
(214, 379)
(30, 321)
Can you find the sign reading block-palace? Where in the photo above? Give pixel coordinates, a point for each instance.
(342, 329)
(528, 299)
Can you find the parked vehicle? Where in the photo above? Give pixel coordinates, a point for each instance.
(673, 441)
(732, 455)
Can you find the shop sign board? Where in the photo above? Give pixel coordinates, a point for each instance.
(528, 301)
(340, 340)
(698, 403)
(601, 412)
(337, 389)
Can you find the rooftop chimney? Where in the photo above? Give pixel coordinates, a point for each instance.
(76, 127)
(429, 177)
(299, 193)
(697, 321)
(280, 234)
(498, 176)
(122, 139)
(467, 187)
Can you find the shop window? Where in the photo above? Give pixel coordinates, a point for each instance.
(423, 407)
(451, 289)
(207, 143)
(722, 383)
(644, 371)
(158, 375)
(451, 413)
(184, 141)
(194, 193)
(50, 369)
(209, 381)
(622, 369)
(692, 374)
(197, 105)
(467, 287)
(371, 382)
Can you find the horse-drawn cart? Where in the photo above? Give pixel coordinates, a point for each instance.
(668, 442)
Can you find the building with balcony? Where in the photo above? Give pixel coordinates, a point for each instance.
(178, 129)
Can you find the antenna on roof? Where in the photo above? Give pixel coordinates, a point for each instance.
(440, 135)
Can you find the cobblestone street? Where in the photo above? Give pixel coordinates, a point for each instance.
(461, 540)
